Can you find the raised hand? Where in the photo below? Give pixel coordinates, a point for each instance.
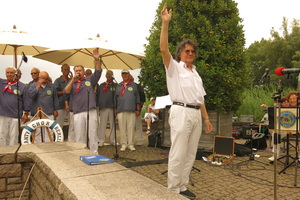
(96, 54)
(165, 14)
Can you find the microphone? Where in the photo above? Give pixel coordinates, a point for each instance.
(266, 74)
(280, 71)
(24, 58)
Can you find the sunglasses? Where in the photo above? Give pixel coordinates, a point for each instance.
(190, 51)
(34, 73)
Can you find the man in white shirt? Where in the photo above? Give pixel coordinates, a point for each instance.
(187, 94)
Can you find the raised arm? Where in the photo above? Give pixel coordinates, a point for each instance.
(97, 60)
(164, 38)
(68, 88)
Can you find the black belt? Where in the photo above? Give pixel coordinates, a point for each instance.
(186, 105)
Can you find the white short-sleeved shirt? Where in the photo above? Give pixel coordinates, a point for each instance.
(184, 85)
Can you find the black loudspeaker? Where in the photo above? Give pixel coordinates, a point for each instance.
(246, 131)
(154, 140)
(257, 144)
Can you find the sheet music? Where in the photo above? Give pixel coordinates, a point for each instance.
(162, 102)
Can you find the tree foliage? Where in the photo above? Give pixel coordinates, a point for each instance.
(281, 50)
(216, 26)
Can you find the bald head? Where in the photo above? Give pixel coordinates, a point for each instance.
(88, 72)
(43, 78)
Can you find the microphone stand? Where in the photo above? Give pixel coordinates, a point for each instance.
(276, 135)
(88, 120)
(265, 79)
(18, 109)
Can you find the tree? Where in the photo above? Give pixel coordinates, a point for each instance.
(217, 28)
(278, 51)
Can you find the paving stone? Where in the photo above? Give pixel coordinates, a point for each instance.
(254, 180)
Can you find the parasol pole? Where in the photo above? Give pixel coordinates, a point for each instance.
(15, 55)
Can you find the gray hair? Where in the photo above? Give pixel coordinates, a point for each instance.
(79, 66)
(37, 69)
(181, 46)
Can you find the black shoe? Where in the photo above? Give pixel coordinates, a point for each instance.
(188, 194)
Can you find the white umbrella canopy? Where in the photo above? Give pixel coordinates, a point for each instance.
(80, 53)
(14, 42)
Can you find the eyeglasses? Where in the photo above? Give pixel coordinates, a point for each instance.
(34, 73)
(190, 51)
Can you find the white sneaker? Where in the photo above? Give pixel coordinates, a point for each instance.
(123, 148)
(271, 158)
(131, 147)
(101, 144)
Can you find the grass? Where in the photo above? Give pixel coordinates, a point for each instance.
(254, 97)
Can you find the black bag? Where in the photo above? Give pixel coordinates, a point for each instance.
(241, 150)
(257, 143)
(154, 140)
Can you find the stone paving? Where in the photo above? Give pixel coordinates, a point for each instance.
(251, 180)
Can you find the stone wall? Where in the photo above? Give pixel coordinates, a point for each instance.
(46, 185)
(222, 126)
(42, 182)
(13, 177)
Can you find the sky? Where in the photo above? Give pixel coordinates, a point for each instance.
(124, 22)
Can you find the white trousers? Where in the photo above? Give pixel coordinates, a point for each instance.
(139, 130)
(71, 132)
(80, 127)
(9, 131)
(106, 114)
(62, 115)
(186, 128)
(278, 146)
(126, 122)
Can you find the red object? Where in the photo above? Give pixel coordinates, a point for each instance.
(278, 71)
(123, 88)
(78, 84)
(8, 86)
(106, 86)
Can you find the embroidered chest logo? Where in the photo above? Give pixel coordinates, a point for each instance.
(112, 89)
(16, 91)
(87, 83)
